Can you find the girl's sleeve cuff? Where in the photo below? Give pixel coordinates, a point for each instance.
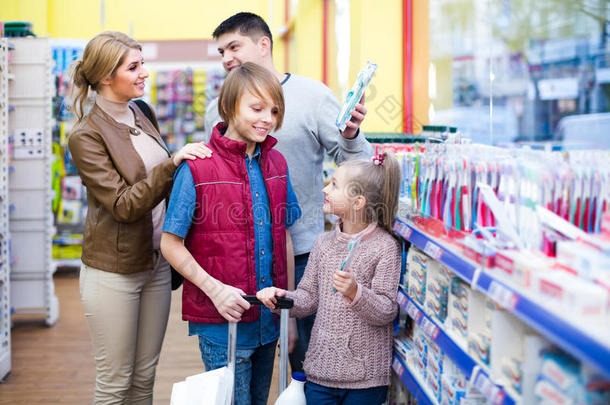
(351, 303)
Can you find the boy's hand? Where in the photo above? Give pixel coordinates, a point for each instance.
(344, 282)
(267, 296)
(229, 302)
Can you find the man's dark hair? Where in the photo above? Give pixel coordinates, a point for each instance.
(247, 24)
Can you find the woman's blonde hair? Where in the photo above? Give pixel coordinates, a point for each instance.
(379, 184)
(102, 55)
(255, 79)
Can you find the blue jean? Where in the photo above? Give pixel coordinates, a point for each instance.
(320, 395)
(304, 325)
(253, 369)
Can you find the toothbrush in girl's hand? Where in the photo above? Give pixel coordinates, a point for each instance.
(350, 256)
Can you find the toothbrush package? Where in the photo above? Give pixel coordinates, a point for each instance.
(355, 94)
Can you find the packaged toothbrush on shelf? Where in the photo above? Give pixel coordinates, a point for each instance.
(355, 94)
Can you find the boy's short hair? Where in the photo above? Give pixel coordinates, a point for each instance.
(248, 24)
(255, 79)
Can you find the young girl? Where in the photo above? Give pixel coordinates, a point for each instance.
(351, 280)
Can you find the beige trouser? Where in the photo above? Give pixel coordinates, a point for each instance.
(127, 317)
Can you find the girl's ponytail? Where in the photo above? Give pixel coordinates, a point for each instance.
(390, 191)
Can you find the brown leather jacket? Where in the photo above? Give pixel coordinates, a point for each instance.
(121, 196)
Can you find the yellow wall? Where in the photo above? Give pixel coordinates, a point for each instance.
(308, 39)
(143, 19)
(34, 11)
(421, 63)
(376, 35)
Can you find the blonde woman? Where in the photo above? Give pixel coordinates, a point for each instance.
(127, 169)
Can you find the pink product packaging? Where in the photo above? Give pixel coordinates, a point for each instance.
(577, 298)
(582, 258)
(520, 266)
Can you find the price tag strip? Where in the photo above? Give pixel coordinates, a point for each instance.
(413, 311)
(433, 250)
(429, 328)
(502, 295)
(398, 367)
(403, 230)
(481, 381)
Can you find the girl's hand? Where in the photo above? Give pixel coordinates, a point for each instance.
(267, 296)
(344, 282)
(229, 302)
(192, 151)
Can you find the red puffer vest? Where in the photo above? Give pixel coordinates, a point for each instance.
(221, 237)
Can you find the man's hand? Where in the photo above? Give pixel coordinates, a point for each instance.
(229, 302)
(353, 124)
(345, 283)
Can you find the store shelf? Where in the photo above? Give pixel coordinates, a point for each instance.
(494, 393)
(67, 262)
(30, 191)
(397, 137)
(435, 249)
(582, 344)
(5, 282)
(66, 241)
(565, 334)
(412, 382)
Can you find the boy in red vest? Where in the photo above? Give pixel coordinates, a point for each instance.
(226, 230)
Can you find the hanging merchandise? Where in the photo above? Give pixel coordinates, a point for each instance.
(180, 98)
(70, 202)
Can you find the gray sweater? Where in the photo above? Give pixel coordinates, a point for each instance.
(351, 341)
(307, 134)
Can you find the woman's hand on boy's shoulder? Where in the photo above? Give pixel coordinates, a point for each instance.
(192, 151)
(267, 296)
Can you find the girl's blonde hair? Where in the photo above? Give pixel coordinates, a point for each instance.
(379, 184)
(255, 79)
(102, 55)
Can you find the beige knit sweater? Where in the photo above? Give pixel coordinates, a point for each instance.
(351, 342)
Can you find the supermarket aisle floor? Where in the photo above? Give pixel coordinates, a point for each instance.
(54, 365)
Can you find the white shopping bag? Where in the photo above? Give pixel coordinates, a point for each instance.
(211, 388)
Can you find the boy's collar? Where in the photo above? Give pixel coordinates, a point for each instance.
(234, 150)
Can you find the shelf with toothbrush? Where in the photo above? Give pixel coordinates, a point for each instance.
(571, 326)
(475, 371)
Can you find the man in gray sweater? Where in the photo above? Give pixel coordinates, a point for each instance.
(307, 134)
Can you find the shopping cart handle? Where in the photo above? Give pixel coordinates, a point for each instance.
(282, 302)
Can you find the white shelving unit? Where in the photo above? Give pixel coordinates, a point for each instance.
(5, 303)
(30, 194)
